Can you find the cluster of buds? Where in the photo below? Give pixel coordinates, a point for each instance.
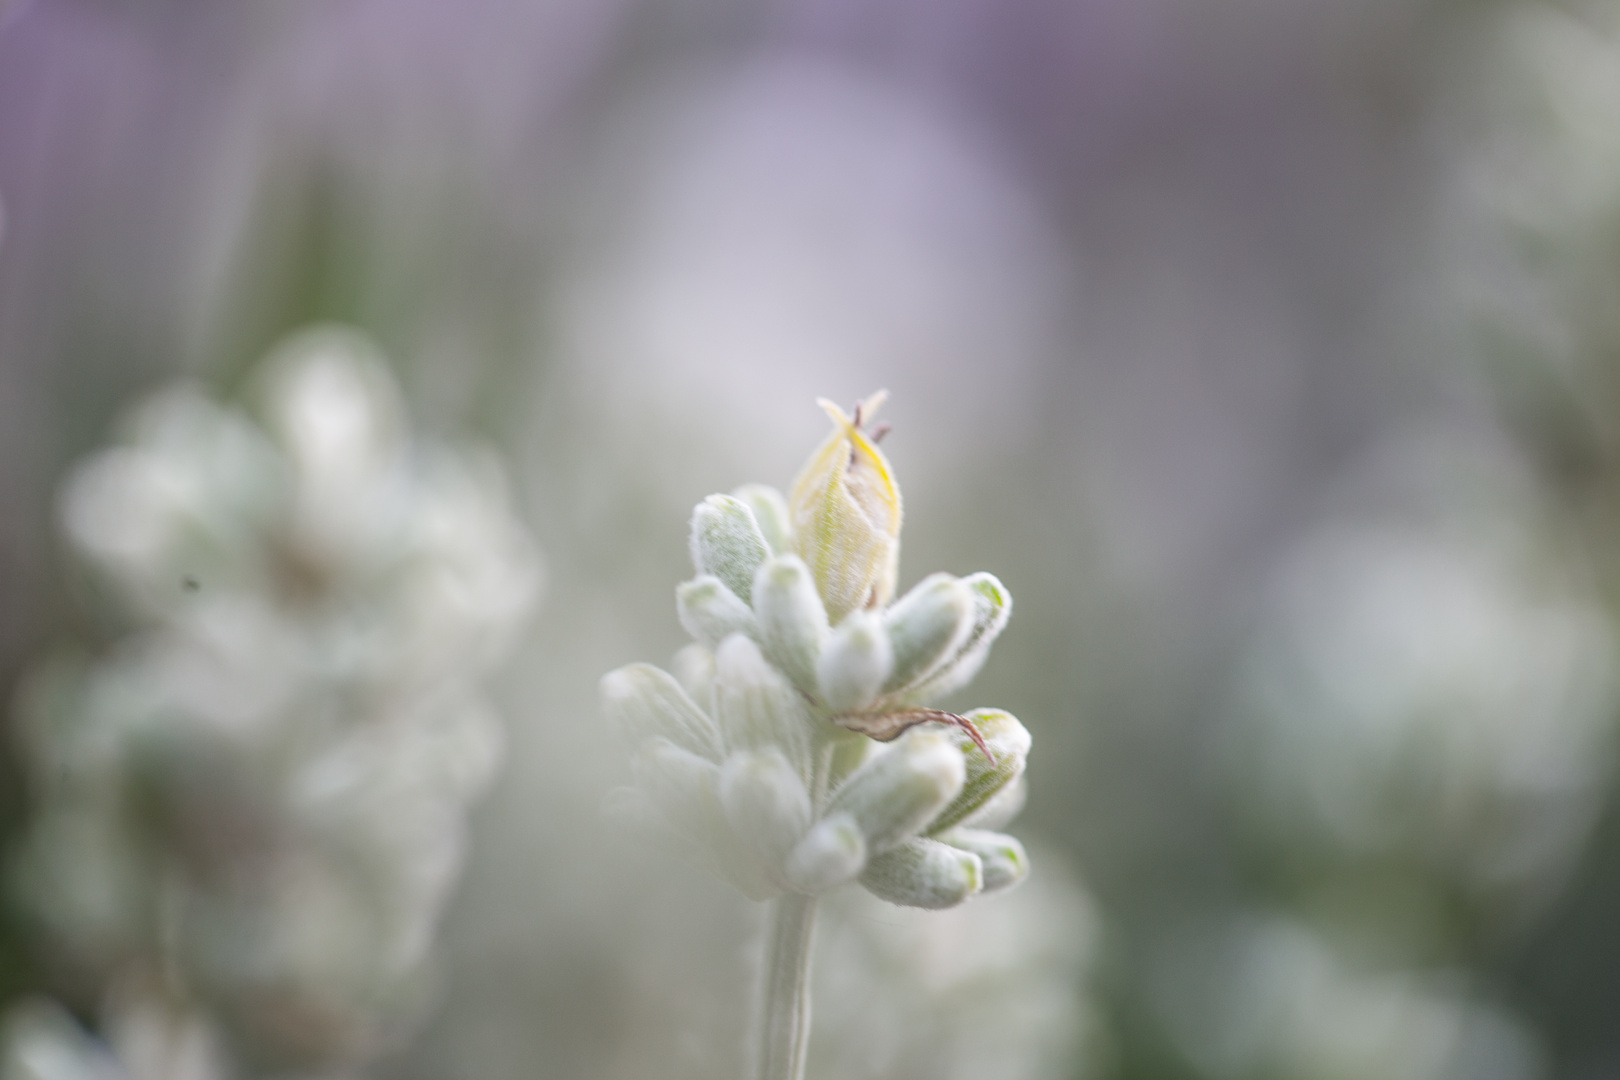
(793, 749)
(253, 802)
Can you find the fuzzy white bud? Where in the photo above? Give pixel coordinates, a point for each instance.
(711, 612)
(894, 795)
(792, 621)
(1008, 740)
(831, 853)
(679, 783)
(992, 607)
(855, 663)
(924, 873)
(766, 803)
(756, 707)
(726, 542)
(1002, 856)
(642, 702)
(927, 627)
(693, 668)
(771, 514)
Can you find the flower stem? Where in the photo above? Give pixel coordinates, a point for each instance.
(785, 1017)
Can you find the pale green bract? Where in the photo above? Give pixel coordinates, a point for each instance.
(754, 758)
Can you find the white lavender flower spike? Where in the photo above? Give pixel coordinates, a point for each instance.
(795, 751)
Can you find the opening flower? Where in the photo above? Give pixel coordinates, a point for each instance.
(845, 510)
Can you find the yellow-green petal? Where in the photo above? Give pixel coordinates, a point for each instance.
(845, 508)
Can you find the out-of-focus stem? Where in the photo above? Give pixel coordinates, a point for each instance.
(785, 1016)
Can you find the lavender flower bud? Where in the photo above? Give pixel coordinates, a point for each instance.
(1002, 856)
(792, 621)
(894, 795)
(855, 663)
(1008, 741)
(711, 612)
(830, 854)
(727, 543)
(845, 507)
(926, 627)
(924, 873)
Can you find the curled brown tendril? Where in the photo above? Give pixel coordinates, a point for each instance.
(888, 726)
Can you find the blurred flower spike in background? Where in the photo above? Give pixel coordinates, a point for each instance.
(249, 806)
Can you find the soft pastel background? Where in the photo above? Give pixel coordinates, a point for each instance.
(1269, 352)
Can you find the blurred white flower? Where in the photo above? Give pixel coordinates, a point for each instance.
(1262, 998)
(1434, 695)
(254, 800)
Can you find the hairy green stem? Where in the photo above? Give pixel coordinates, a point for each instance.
(785, 1016)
